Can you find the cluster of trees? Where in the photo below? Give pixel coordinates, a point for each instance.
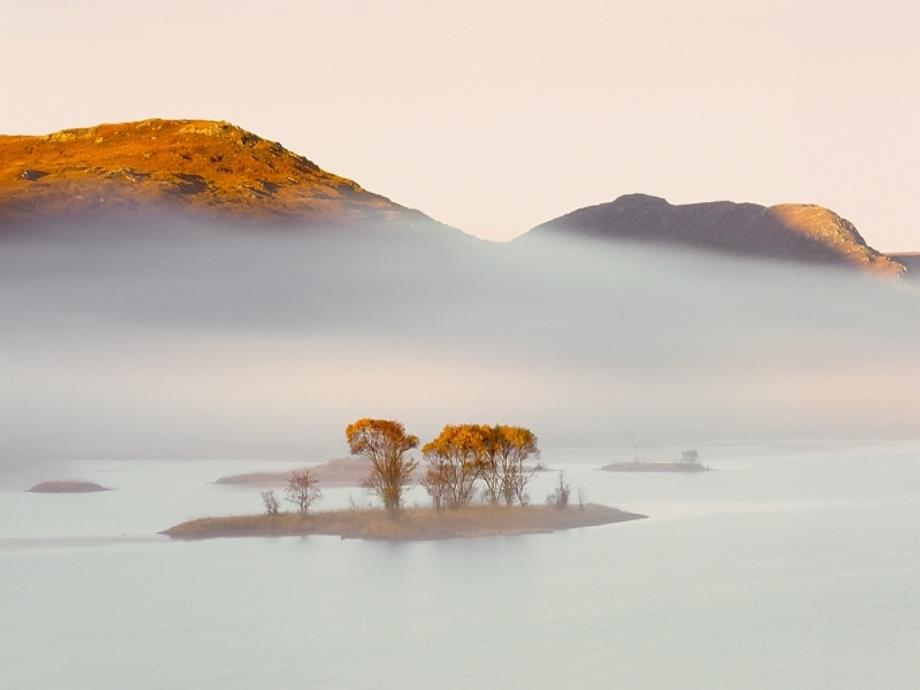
(458, 461)
(301, 490)
(465, 455)
(461, 461)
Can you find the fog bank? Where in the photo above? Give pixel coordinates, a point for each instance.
(197, 342)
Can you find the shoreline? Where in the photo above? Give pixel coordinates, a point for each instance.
(412, 524)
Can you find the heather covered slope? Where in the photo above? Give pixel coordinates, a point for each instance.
(207, 169)
(796, 232)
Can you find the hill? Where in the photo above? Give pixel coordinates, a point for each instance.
(216, 171)
(202, 168)
(912, 261)
(790, 232)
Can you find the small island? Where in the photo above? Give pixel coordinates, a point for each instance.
(338, 472)
(477, 476)
(412, 524)
(641, 466)
(66, 487)
(689, 462)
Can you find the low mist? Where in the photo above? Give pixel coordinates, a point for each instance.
(201, 342)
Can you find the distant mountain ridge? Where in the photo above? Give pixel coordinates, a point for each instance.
(797, 232)
(217, 171)
(194, 167)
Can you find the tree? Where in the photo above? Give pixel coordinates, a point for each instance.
(302, 490)
(690, 457)
(490, 469)
(454, 463)
(435, 482)
(512, 447)
(386, 445)
(560, 496)
(270, 501)
(465, 453)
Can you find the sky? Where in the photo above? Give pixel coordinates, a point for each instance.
(496, 116)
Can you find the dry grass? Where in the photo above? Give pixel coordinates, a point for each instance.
(411, 524)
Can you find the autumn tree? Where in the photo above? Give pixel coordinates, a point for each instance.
(455, 461)
(490, 470)
(512, 447)
(464, 453)
(386, 445)
(302, 490)
(435, 482)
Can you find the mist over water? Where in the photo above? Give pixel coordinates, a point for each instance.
(194, 341)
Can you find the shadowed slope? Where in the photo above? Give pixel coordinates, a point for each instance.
(912, 261)
(202, 168)
(796, 232)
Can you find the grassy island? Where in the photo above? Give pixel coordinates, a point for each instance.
(411, 524)
(67, 487)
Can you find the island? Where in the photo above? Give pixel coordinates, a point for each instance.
(338, 472)
(476, 475)
(66, 487)
(689, 462)
(640, 466)
(411, 524)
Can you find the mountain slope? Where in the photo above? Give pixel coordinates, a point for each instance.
(796, 232)
(912, 261)
(197, 167)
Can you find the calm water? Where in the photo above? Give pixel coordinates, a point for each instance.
(790, 567)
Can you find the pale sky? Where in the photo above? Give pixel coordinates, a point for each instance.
(495, 116)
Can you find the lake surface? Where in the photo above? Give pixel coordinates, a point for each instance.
(789, 567)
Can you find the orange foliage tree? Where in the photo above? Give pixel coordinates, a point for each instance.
(464, 453)
(454, 463)
(511, 448)
(386, 444)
